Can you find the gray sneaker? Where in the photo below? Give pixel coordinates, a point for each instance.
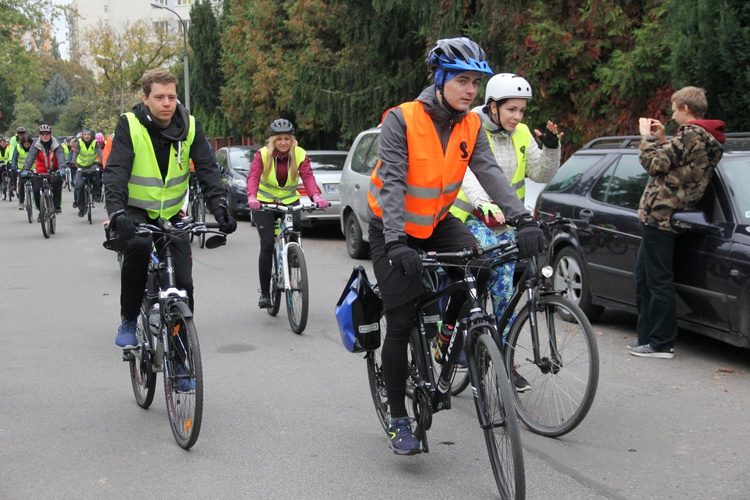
(646, 351)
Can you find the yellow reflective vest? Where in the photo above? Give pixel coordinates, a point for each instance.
(521, 138)
(146, 188)
(86, 154)
(269, 190)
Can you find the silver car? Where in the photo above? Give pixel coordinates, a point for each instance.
(355, 182)
(327, 167)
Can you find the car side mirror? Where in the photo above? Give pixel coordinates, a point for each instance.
(693, 220)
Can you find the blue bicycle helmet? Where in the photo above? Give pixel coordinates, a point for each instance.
(459, 54)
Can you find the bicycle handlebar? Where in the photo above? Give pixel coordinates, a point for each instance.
(277, 207)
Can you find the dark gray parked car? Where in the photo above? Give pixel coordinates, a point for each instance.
(602, 183)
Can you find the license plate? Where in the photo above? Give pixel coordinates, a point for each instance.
(331, 188)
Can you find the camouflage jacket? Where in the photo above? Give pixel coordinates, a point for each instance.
(679, 172)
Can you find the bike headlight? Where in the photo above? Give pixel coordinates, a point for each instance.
(547, 271)
(240, 183)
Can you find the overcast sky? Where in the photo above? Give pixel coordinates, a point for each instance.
(61, 31)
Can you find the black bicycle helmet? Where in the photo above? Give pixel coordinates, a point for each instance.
(281, 126)
(45, 128)
(460, 54)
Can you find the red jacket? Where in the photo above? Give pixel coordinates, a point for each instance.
(46, 162)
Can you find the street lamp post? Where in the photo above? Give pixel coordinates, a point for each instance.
(184, 53)
(122, 97)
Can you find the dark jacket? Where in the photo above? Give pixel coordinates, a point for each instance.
(120, 161)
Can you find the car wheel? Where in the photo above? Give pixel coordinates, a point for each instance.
(571, 277)
(357, 247)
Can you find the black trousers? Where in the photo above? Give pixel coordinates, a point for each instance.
(94, 177)
(135, 266)
(399, 293)
(264, 222)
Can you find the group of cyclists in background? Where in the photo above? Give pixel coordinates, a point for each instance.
(68, 161)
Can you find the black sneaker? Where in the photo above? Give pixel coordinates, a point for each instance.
(265, 301)
(75, 205)
(402, 438)
(520, 383)
(80, 213)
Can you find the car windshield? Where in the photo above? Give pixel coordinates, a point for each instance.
(736, 169)
(571, 171)
(240, 159)
(327, 162)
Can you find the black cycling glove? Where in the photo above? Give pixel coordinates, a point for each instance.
(550, 140)
(404, 258)
(227, 224)
(529, 237)
(125, 227)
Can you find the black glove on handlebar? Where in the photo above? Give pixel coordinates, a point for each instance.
(550, 140)
(529, 237)
(227, 224)
(404, 258)
(125, 227)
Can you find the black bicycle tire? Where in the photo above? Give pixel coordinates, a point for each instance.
(29, 202)
(274, 288)
(142, 378)
(201, 218)
(494, 400)
(299, 289)
(542, 394)
(186, 429)
(89, 201)
(51, 217)
(376, 382)
(6, 189)
(43, 215)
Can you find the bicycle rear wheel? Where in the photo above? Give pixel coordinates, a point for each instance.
(297, 297)
(494, 403)
(43, 215)
(273, 310)
(375, 378)
(183, 379)
(564, 385)
(141, 376)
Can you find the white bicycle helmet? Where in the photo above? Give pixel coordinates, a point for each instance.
(507, 86)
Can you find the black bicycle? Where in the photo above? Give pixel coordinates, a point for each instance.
(429, 388)
(6, 185)
(197, 207)
(28, 194)
(47, 215)
(88, 192)
(166, 333)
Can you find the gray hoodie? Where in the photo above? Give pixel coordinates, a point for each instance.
(393, 154)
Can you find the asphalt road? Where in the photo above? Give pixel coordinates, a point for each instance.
(290, 416)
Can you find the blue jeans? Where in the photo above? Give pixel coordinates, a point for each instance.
(655, 294)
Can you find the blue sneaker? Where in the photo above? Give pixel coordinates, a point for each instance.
(403, 441)
(184, 384)
(125, 338)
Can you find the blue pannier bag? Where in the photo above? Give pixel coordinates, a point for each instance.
(358, 313)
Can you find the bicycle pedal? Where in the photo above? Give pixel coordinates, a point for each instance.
(127, 356)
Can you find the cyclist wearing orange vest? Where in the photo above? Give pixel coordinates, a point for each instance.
(424, 150)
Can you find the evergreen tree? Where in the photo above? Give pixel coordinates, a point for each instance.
(206, 77)
(58, 91)
(711, 50)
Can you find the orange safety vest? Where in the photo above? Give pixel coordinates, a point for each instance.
(433, 178)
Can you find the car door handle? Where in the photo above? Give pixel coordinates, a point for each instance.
(586, 214)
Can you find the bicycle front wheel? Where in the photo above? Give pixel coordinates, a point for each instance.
(564, 384)
(141, 376)
(29, 201)
(52, 220)
(89, 202)
(43, 215)
(183, 379)
(297, 298)
(494, 402)
(6, 190)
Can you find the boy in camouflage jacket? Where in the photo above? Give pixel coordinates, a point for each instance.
(679, 171)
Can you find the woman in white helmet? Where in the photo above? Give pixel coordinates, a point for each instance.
(520, 157)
